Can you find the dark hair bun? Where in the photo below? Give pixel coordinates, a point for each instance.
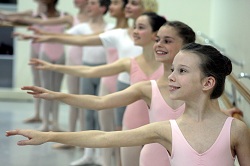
(228, 65)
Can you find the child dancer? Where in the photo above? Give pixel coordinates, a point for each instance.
(203, 127)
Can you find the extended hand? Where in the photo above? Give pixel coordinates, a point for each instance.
(37, 31)
(39, 92)
(34, 38)
(40, 64)
(34, 137)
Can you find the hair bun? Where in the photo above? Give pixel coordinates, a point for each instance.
(228, 65)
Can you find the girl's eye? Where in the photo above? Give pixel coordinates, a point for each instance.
(172, 70)
(182, 71)
(140, 27)
(168, 41)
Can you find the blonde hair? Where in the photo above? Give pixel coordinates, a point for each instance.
(150, 5)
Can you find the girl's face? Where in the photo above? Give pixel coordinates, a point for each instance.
(185, 80)
(116, 8)
(167, 44)
(94, 8)
(80, 3)
(133, 9)
(143, 33)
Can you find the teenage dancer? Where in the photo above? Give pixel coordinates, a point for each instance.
(170, 39)
(49, 79)
(198, 77)
(143, 67)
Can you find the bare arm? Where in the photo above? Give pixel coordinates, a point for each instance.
(41, 32)
(27, 13)
(114, 68)
(121, 98)
(51, 21)
(241, 139)
(98, 139)
(81, 40)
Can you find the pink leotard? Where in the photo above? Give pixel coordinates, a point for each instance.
(219, 154)
(53, 51)
(111, 81)
(159, 111)
(136, 114)
(35, 47)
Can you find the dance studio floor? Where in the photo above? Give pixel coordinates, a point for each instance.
(12, 115)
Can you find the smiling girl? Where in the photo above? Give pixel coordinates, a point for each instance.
(203, 135)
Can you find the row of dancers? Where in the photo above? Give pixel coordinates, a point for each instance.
(151, 65)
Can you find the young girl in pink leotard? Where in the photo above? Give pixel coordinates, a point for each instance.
(143, 67)
(174, 35)
(53, 53)
(203, 135)
(35, 49)
(50, 52)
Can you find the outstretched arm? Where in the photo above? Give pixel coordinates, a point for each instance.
(38, 21)
(80, 40)
(122, 65)
(121, 98)
(5, 14)
(98, 139)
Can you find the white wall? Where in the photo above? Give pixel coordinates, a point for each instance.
(230, 27)
(195, 13)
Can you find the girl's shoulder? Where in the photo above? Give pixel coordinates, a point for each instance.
(239, 128)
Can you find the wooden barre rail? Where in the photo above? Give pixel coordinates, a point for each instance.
(228, 105)
(241, 88)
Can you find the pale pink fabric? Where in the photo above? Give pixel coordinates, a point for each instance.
(136, 114)
(53, 51)
(159, 111)
(36, 46)
(111, 81)
(219, 154)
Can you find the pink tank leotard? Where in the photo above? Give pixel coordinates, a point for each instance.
(219, 154)
(35, 47)
(159, 111)
(75, 53)
(111, 81)
(136, 114)
(53, 51)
